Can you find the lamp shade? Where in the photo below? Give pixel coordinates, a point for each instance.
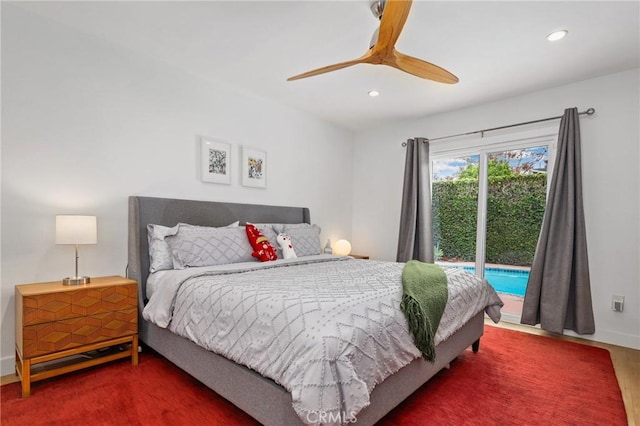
(342, 248)
(75, 229)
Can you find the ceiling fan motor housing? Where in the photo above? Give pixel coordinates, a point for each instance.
(377, 7)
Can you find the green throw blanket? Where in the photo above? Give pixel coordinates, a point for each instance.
(423, 302)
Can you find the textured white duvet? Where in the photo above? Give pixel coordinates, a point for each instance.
(327, 329)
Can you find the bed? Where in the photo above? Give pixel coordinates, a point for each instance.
(261, 397)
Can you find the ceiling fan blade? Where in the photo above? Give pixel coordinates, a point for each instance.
(420, 68)
(329, 68)
(394, 16)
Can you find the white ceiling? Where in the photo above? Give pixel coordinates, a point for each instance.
(497, 49)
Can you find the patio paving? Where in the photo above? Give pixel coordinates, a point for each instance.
(512, 304)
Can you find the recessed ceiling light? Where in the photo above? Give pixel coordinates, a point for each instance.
(373, 93)
(557, 35)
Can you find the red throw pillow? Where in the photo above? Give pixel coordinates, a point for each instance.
(263, 249)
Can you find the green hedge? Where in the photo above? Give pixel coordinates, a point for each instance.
(515, 206)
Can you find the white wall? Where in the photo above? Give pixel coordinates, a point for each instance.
(87, 124)
(610, 156)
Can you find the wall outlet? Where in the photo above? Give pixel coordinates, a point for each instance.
(617, 303)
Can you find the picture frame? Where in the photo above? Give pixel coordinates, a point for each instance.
(215, 161)
(254, 168)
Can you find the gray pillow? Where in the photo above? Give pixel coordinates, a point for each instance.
(304, 237)
(160, 257)
(203, 246)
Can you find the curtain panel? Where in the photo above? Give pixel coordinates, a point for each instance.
(416, 236)
(558, 295)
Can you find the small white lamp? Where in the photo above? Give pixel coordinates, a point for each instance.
(342, 248)
(76, 230)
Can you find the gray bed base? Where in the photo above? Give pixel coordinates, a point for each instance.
(260, 397)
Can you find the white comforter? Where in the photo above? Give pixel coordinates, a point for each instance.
(327, 329)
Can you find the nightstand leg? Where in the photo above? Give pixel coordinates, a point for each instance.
(26, 377)
(134, 350)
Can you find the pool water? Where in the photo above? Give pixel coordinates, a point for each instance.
(509, 281)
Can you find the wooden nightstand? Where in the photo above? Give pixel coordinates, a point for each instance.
(61, 328)
(359, 256)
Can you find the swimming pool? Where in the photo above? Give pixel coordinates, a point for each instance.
(509, 281)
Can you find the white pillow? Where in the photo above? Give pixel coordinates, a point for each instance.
(159, 251)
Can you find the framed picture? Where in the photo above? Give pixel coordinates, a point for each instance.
(254, 168)
(215, 161)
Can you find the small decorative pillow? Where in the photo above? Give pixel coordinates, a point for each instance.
(304, 237)
(268, 231)
(287, 248)
(262, 248)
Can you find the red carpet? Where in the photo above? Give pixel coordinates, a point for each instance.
(515, 379)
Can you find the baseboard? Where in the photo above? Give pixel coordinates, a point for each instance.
(602, 336)
(512, 318)
(610, 337)
(7, 366)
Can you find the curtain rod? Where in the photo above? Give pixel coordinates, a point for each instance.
(589, 111)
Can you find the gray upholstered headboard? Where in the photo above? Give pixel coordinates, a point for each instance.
(169, 212)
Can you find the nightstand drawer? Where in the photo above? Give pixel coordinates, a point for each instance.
(43, 308)
(45, 338)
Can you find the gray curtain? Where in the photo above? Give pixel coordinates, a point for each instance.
(416, 237)
(558, 294)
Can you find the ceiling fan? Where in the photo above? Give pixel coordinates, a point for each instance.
(392, 14)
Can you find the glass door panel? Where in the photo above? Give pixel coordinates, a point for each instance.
(455, 207)
(515, 203)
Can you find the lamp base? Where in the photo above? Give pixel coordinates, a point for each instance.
(76, 280)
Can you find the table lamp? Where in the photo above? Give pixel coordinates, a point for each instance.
(342, 248)
(76, 230)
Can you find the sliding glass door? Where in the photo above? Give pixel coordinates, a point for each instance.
(455, 208)
(488, 201)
